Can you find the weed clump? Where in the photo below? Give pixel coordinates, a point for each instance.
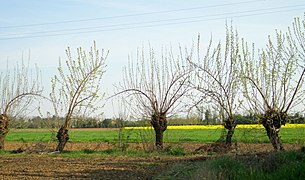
(175, 150)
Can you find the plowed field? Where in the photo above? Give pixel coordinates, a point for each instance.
(42, 166)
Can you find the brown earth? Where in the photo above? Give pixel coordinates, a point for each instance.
(38, 165)
(46, 167)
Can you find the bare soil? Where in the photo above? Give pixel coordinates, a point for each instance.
(40, 166)
(45, 167)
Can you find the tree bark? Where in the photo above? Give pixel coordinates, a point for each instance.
(63, 137)
(273, 135)
(159, 123)
(159, 138)
(2, 138)
(4, 123)
(272, 121)
(230, 125)
(229, 136)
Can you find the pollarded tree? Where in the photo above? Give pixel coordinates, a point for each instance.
(18, 91)
(156, 86)
(76, 90)
(273, 81)
(218, 79)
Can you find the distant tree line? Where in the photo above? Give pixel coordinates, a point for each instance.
(54, 122)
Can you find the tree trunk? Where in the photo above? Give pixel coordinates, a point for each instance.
(230, 135)
(159, 138)
(159, 123)
(273, 135)
(230, 125)
(4, 123)
(2, 138)
(272, 121)
(63, 137)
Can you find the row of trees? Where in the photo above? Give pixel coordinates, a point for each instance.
(228, 77)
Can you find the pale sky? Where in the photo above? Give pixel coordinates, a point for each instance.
(47, 28)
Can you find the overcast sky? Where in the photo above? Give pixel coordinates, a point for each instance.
(47, 28)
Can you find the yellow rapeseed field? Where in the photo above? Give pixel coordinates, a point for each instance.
(239, 126)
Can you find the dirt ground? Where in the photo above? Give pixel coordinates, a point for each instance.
(41, 166)
(44, 167)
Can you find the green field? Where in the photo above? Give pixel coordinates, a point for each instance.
(288, 135)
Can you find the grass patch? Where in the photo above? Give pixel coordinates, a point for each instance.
(5, 153)
(280, 165)
(30, 136)
(172, 151)
(12, 153)
(175, 150)
(288, 135)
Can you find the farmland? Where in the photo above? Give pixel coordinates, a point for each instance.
(292, 135)
(121, 153)
(165, 91)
